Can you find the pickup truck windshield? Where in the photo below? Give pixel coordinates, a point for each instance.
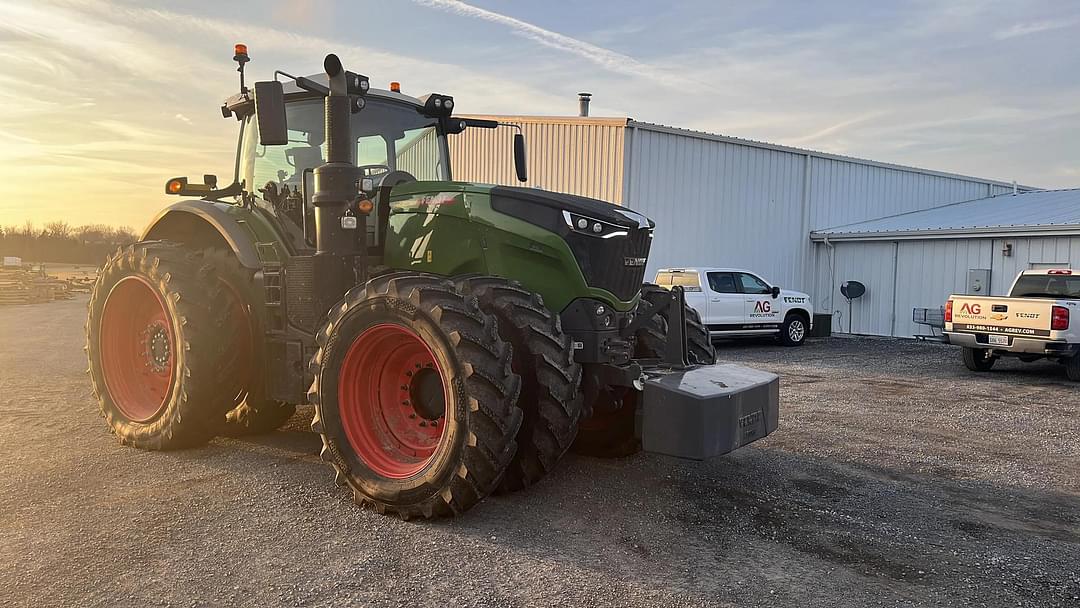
(1047, 286)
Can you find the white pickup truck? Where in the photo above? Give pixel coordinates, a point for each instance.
(738, 303)
(1040, 319)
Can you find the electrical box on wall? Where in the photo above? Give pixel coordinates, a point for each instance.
(978, 282)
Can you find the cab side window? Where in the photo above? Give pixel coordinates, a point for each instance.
(752, 284)
(722, 282)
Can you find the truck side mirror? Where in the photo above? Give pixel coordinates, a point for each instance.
(270, 113)
(775, 292)
(519, 157)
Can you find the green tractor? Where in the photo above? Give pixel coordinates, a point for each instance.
(454, 338)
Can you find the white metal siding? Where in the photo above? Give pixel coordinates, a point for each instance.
(719, 204)
(574, 156)
(719, 201)
(926, 273)
(872, 313)
(845, 192)
(1057, 251)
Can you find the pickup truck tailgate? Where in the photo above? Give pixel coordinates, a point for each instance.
(1011, 316)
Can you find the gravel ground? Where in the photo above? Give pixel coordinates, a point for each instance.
(897, 478)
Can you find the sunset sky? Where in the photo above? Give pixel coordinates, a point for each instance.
(101, 102)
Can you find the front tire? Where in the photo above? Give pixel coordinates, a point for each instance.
(794, 330)
(652, 337)
(414, 396)
(550, 378)
(153, 341)
(979, 359)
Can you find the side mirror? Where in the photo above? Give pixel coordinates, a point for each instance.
(519, 157)
(775, 292)
(270, 113)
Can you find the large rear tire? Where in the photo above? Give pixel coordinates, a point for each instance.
(414, 396)
(543, 357)
(153, 340)
(979, 359)
(242, 373)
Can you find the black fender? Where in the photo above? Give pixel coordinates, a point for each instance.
(206, 224)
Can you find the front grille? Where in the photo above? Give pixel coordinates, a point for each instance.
(603, 261)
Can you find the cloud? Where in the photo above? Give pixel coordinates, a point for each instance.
(183, 119)
(1034, 27)
(600, 56)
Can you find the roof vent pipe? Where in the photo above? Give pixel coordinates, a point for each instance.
(583, 103)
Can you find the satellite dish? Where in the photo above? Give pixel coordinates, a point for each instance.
(852, 289)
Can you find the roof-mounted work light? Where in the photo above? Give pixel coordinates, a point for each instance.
(436, 105)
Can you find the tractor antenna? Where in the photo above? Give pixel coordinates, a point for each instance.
(240, 55)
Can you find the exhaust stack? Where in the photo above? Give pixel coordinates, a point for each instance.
(583, 103)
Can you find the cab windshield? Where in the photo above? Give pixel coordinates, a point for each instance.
(388, 137)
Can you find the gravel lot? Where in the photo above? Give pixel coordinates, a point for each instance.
(897, 478)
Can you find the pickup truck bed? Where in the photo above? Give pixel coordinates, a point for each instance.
(1041, 320)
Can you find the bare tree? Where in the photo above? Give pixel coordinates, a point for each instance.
(58, 230)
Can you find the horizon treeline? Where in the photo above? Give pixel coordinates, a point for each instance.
(64, 243)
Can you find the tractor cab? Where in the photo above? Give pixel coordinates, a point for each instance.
(392, 141)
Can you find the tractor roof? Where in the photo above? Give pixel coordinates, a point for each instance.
(241, 103)
(291, 89)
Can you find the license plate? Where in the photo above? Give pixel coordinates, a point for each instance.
(998, 340)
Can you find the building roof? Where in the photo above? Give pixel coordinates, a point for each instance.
(1044, 212)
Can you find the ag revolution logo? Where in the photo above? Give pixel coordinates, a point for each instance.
(762, 308)
(971, 308)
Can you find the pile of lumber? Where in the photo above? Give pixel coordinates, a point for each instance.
(23, 285)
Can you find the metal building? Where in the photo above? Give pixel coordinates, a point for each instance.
(916, 260)
(717, 200)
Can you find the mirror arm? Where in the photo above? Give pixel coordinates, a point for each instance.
(307, 84)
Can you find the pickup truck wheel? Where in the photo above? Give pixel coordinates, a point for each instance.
(793, 331)
(1072, 368)
(979, 359)
(543, 356)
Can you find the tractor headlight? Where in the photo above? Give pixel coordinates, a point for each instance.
(593, 227)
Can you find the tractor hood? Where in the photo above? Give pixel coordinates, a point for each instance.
(590, 208)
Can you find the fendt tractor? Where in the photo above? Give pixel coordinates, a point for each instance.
(454, 338)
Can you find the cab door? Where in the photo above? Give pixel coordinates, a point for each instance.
(761, 307)
(726, 306)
